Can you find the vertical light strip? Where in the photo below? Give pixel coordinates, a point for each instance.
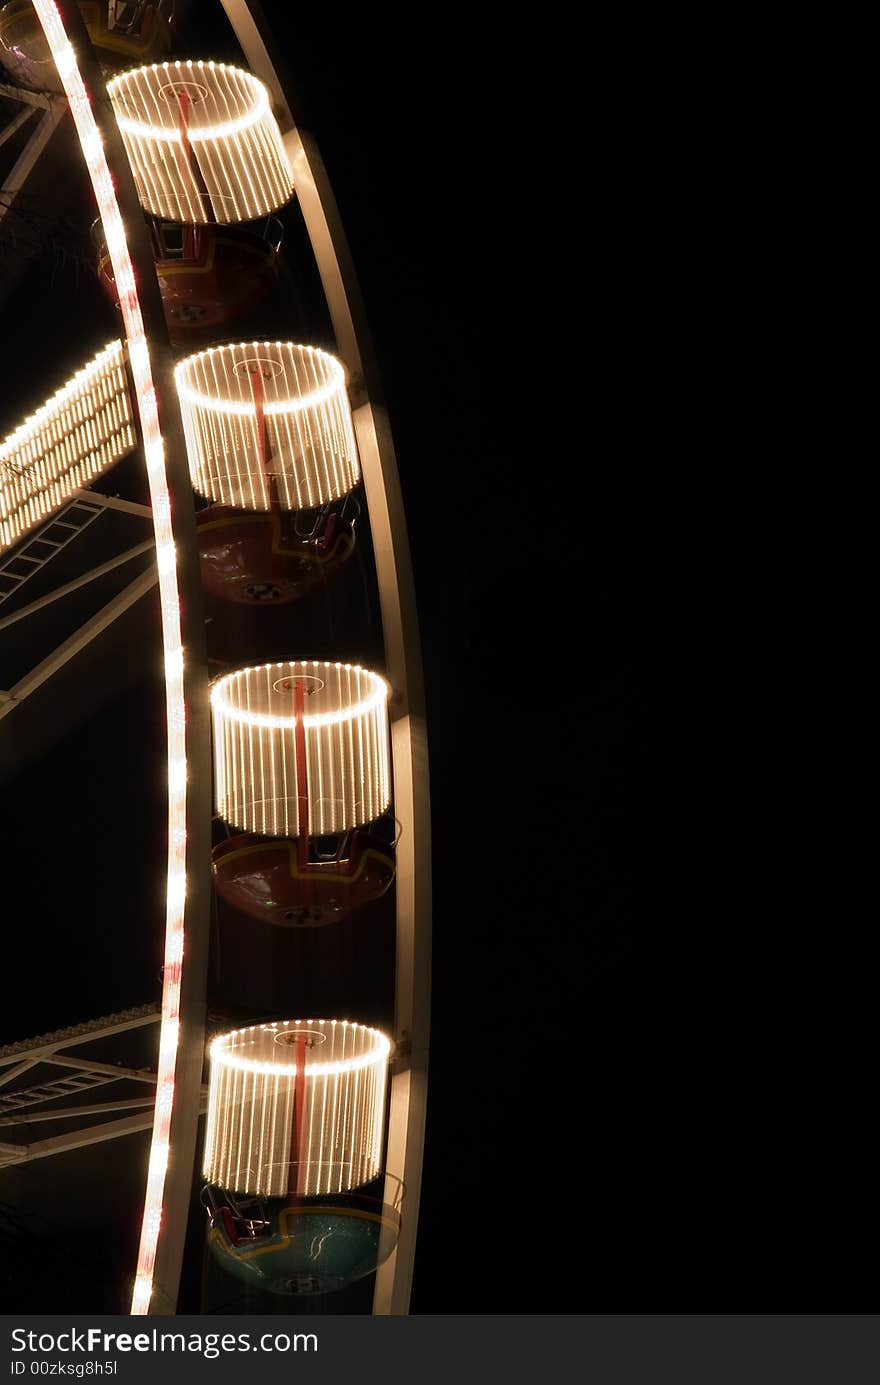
(154, 450)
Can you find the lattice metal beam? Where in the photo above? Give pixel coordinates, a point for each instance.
(50, 1091)
(24, 165)
(78, 1139)
(101, 571)
(10, 697)
(34, 1049)
(99, 1108)
(48, 1049)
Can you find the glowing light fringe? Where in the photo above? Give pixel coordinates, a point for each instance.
(312, 454)
(346, 747)
(231, 135)
(251, 1115)
(76, 435)
(154, 450)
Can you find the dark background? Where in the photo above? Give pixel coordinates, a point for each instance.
(551, 1127)
(534, 1196)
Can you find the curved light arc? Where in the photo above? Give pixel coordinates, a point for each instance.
(91, 144)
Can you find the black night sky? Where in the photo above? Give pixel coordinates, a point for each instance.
(529, 659)
(548, 1143)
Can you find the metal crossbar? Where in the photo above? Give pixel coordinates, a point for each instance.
(55, 1087)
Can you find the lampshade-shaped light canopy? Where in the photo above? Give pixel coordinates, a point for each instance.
(262, 746)
(296, 1106)
(267, 423)
(202, 142)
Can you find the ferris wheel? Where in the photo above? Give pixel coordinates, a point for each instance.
(242, 386)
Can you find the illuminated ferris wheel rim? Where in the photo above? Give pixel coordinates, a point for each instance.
(156, 1267)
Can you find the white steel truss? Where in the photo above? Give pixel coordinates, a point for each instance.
(31, 557)
(53, 109)
(12, 697)
(79, 1073)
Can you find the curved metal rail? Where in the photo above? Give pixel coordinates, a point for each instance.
(402, 650)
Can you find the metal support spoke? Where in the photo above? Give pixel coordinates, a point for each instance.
(113, 502)
(87, 1065)
(17, 1071)
(80, 1138)
(68, 1112)
(76, 1139)
(43, 99)
(15, 124)
(24, 164)
(147, 546)
(84, 636)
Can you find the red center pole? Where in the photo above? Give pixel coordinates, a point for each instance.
(295, 1181)
(302, 776)
(183, 105)
(259, 391)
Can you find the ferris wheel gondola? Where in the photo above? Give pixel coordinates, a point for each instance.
(303, 1247)
(211, 278)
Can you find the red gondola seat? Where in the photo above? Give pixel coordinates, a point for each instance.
(261, 877)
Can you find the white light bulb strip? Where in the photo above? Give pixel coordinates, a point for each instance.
(71, 439)
(253, 1142)
(232, 138)
(154, 451)
(311, 455)
(347, 749)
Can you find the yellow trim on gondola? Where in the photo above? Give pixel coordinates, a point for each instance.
(281, 1244)
(305, 556)
(166, 267)
(235, 519)
(170, 267)
(322, 875)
